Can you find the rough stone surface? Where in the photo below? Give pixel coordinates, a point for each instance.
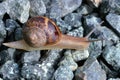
(10, 26)
(112, 56)
(80, 55)
(63, 73)
(18, 9)
(113, 20)
(68, 61)
(114, 79)
(91, 70)
(11, 52)
(37, 8)
(2, 9)
(60, 8)
(18, 33)
(84, 9)
(10, 70)
(31, 56)
(2, 31)
(114, 6)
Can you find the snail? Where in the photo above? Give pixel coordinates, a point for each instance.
(41, 33)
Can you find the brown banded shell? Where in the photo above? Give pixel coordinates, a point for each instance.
(40, 31)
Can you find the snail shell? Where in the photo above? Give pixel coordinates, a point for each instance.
(40, 31)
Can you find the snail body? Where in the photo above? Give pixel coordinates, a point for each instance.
(41, 33)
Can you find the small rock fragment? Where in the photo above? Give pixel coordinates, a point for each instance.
(37, 8)
(113, 20)
(2, 10)
(69, 62)
(18, 33)
(114, 79)
(80, 55)
(18, 9)
(11, 25)
(112, 56)
(10, 71)
(63, 73)
(31, 56)
(60, 8)
(91, 70)
(2, 31)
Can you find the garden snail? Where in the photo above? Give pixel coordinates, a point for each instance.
(41, 33)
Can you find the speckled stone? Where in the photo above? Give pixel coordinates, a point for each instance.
(113, 20)
(2, 9)
(10, 70)
(37, 8)
(114, 79)
(91, 70)
(60, 8)
(18, 9)
(63, 73)
(112, 56)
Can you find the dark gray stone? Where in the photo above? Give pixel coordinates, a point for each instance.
(84, 9)
(113, 20)
(10, 71)
(63, 73)
(18, 9)
(11, 25)
(112, 56)
(60, 8)
(18, 34)
(2, 31)
(37, 8)
(91, 70)
(31, 56)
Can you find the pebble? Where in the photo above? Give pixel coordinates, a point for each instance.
(80, 55)
(113, 20)
(2, 31)
(60, 8)
(91, 70)
(114, 79)
(63, 73)
(37, 8)
(18, 9)
(10, 71)
(11, 25)
(31, 56)
(112, 56)
(2, 10)
(68, 61)
(18, 33)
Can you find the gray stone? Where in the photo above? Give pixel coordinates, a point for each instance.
(4, 56)
(2, 9)
(78, 32)
(11, 52)
(37, 8)
(114, 79)
(114, 6)
(73, 19)
(18, 9)
(10, 70)
(84, 9)
(63, 73)
(60, 8)
(18, 34)
(112, 56)
(68, 61)
(11, 25)
(2, 31)
(31, 56)
(91, 70)
(113, 20)
(80, 55)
